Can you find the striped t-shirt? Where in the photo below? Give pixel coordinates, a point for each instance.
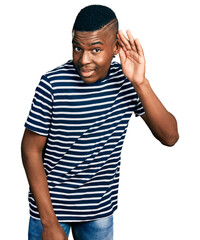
(85, 125)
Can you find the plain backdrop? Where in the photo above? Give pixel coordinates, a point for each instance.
(159, 196)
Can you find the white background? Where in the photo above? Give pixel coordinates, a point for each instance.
(159, 196)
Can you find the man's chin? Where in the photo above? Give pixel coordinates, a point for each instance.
(89, 80)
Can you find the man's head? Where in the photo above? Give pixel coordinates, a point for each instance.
(94, 41)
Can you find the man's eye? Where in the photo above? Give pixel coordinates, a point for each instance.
(96, 50)
(77, 49)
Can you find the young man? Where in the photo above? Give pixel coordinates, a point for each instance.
(76, 127)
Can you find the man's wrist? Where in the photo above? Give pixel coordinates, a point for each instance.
(141, 86)
(49, 220)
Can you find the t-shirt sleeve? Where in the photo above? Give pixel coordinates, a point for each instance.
(138, 109)
(40, 115)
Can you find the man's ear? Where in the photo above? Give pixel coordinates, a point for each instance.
(116, 47)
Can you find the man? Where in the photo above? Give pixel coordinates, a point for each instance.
(76, 127)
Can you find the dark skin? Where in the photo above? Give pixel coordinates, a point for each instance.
(32, 146)
(162, 123)
(92, 55)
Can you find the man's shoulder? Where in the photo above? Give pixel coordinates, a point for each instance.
(115, 65)
(116, 70)
(64, 69)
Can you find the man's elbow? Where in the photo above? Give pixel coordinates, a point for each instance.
(171, 140)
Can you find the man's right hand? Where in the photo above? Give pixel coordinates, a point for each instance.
(53, 232)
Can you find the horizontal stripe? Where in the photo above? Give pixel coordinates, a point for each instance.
(85, 125)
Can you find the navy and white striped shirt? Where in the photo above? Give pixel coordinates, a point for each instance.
(85, 125)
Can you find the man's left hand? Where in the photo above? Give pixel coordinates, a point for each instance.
(132, 58)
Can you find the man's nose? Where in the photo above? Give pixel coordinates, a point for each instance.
(85, 58)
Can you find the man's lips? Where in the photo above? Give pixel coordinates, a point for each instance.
(86, 72)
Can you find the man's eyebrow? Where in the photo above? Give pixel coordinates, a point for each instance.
(74, 41)
(91, 44)
(95, 43)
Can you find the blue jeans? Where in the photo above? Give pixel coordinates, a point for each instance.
(101, 229)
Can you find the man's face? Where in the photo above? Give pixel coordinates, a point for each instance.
(93, 53)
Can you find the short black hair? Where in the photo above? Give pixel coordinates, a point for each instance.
(93, 18)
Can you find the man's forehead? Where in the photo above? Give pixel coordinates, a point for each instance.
(90, 37)
(99, 36)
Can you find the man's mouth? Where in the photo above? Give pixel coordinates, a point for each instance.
(86, 73)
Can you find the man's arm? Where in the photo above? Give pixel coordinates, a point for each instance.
(32, 147)
(162, 123)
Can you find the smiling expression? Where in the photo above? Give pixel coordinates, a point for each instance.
(93, 53)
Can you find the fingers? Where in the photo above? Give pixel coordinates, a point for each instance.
(129, 43)
(123, 41)
(122, 55)
(131, 40)
(139, 48)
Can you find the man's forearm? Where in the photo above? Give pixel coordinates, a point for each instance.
(162, 123)
(32, 147)
(38, 183)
